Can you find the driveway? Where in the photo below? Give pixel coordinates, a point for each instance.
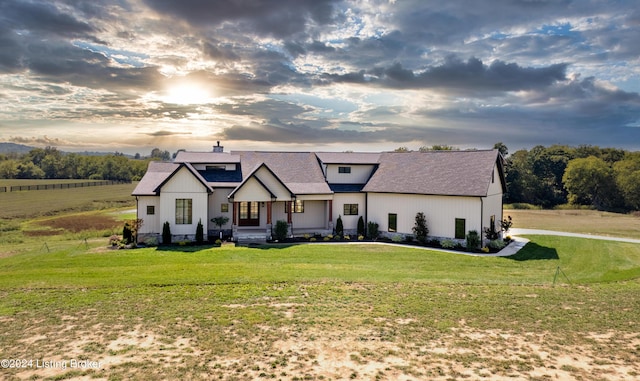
(519, 232)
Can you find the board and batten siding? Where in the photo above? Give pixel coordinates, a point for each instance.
(440, 212)
(359, 173)
(314, 216)
(339, 200)
(492, 204)
(184, 184)
(150, 223)
(216, 199)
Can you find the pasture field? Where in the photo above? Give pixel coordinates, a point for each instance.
(578, 221)
(27, 204)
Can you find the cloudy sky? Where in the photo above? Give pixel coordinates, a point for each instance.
(130, 75)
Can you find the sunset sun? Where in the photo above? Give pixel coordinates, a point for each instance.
(187, 93)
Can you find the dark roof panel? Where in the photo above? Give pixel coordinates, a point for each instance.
(455, 173)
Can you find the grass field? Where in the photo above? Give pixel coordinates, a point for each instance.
(578, 221)
(321, 312)
(327, 312)
(27, 204)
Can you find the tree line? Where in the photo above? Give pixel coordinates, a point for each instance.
(602, 178)
(50, 163)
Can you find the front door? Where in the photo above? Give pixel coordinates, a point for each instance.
(249, 214)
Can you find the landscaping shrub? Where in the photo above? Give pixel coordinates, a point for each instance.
(497, 244)
(473, 240)
(127, 235)
(372, 230)
(151, 241)
(360, 226)
(166, 233)
(448, 244)
(281, 231)
(420, 228)
(339, 227)
(506, 224)
(199, 233)
(396, 238)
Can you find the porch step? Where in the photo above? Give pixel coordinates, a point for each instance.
(251, 238)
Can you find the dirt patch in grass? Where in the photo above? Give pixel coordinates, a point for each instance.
(462, 353)
(75, 224)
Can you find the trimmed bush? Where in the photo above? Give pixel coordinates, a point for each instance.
(339, 227)
(199, 233)
(166, 233)
(420, 228)
(372, 230)
(473, 240)
(281, 231)
(448, 244)
(360, 226)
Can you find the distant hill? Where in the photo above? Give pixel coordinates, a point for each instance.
(21, 148)
(13, 147)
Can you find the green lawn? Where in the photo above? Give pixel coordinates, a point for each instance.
(584, 261)
(321, 312)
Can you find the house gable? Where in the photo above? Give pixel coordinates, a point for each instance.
(184, 179)
(261, 185)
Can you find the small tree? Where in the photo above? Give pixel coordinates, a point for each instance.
(420, 228)
(372, 230)
(339, 227)
(360, 226)
(473, 240)
(199, 233)
(166, 233)
(282, 228)
(220, 221)
(127, 235)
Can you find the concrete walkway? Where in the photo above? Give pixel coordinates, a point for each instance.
(518, 232)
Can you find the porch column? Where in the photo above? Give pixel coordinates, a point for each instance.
(235, 213)
(330, 210)
(288, 206)
(269, 213)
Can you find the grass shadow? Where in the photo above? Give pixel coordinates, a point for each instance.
(533, 251)
(184, 249)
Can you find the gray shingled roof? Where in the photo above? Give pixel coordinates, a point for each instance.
(348, 157)
(299, 171)
(455, 173)
(156, 174)
(159, 172)
(206, 157)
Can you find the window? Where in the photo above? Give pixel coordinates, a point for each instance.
(461, 228)
(297, 206)
(224, 208)
(344, 169)
(183, 211)
(350, 209)
(393, 222)
(249, 210)
(151, 210)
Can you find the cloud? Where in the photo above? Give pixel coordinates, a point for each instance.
(43, 141)
(166, 133)
(278, 18)
(456, 75)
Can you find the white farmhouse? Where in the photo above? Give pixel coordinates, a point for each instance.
(458, 191)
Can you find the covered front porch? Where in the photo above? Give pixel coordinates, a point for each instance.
(256, 220)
